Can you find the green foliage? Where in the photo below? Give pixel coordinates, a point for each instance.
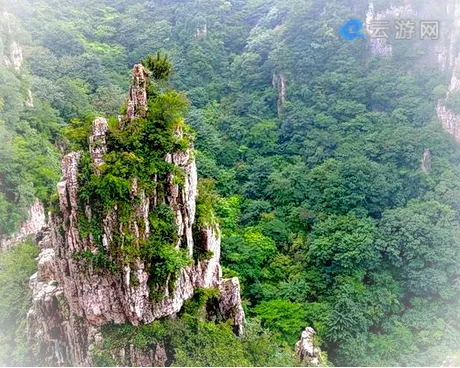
(107, 100)
(165, 263)
(158, 65)
(206, 202)
(263, 349)
(343, 245)
(103, 359)
(77, 132)
(197, 305)
(98, 261)
(199, 343)
(247, 254)
(287, 318)
(194, 342)
(16, 267)
(421, 242)
(28, 169)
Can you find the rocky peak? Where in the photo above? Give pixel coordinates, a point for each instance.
(83, 284)
(97, 143)
(137, 102)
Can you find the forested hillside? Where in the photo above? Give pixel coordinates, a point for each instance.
(337, 188)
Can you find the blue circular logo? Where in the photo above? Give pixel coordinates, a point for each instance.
(350, 30)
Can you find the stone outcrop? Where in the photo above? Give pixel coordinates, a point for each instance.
(448, 48)
(230, 303)
(279, 82)
(71, 302)
(30, 99)
(450, 361)
(15, 57)
(12, 54)
(36, 220)
(97, 144)
(426, 161)
(202, 31)
(308, 354)
(137, 103)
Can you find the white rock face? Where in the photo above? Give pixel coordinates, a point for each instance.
(426, 161)
(449, 361)
(308, 354)
(71, 302)
(97, 144)
(381, 46)
(279, 82)
(183, 202)
(12, 54)
(15, 56)
(230, 304)
(35, 222)
(137, 103)
(30, 99)
(450, 119)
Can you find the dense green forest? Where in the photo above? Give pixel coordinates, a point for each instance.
(328, 216)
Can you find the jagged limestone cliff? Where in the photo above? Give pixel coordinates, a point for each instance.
(114, 262)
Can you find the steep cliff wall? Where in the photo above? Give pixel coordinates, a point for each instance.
(87, 279)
